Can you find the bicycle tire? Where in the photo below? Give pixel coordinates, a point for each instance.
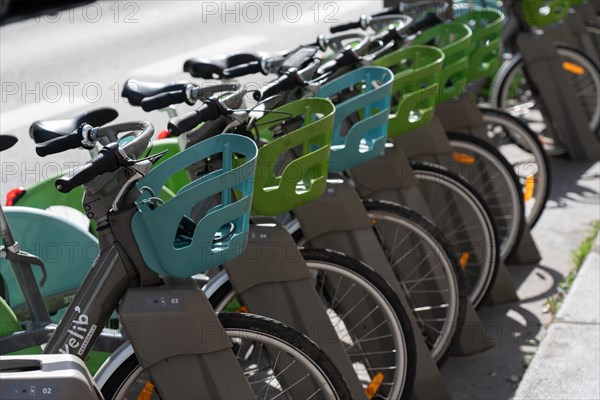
(486, 169)
(521, 147)
(252, 326)
(452, 328)
(334, 260)
(504, 83)
(425, 232)
(482, 257)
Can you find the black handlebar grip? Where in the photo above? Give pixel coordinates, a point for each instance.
(81, 175)
(242, 70)
(163, 100)
(281, 84)
(59, 144)
(430, 20)
(207, 112)
(106, 161)
(394, 10)
(345, 27)
(344, 59)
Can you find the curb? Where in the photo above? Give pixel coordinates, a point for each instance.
(567, 364)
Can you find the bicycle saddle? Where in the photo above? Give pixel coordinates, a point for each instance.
(213, 68)
(42, 131)
(7, 141)
(135, 91)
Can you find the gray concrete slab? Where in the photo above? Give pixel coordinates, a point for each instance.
(565, 366)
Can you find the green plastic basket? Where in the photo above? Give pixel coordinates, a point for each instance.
(454, 39)
(486, 43)
(541, 13)
(173, 244)
(416, 82)
(284, 181)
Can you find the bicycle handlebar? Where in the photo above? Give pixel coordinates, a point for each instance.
(253, 67)
(287, 81)
(112, 156)
(164, 100)
(103, 163)
(345, 58)
(209, 110)
(60, 144)
(345, 27)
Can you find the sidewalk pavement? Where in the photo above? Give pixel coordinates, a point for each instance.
(517, 329)
(567, 364)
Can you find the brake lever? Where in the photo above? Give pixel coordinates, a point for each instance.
(140, 168)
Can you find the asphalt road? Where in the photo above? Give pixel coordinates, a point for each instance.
(58, 64)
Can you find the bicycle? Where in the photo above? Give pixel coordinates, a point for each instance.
(326, 266)
(361, 276)
(516, 91)
(126, 261)
(422, 231)
(517, 143)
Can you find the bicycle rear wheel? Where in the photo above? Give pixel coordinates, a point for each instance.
(522, 149)
(269, 353)
(368, 317)
(460, 213)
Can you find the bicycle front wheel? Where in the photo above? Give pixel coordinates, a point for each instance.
(521, 148)
(427, 270)
(516, 96)
(494, 179)
(368, 318)
(462, 216)
(269, 352)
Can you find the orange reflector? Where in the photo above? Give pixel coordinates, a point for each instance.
(463, 158)
(242, 309)
(146, 392)
(464, 259)
(529, 188)
(573, 68)
(373, 221)
(373, 387)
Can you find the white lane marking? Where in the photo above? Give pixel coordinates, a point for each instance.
(174, 65)
(29, 113)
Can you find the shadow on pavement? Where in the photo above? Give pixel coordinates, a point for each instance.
(513, 330)
(547, 281)
(569, 173)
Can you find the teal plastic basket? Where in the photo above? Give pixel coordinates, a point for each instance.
(221, 234)
(362, 139)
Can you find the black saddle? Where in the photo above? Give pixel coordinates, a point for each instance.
(42, 131)
(7, 141)
(135, 91)
(213, 68)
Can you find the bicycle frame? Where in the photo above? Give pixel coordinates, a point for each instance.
(119, 273)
